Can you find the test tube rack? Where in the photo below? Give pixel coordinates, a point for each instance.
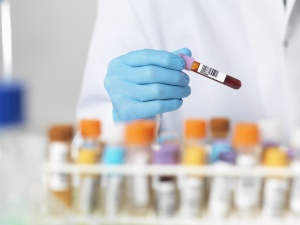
(176, 170)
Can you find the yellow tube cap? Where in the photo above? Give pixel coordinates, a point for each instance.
(86, 156)
(275, 157)
(194, 155)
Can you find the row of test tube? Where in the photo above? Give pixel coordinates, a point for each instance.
(186, 195)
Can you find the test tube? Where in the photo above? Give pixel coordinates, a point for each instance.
(165, 187)
(221, 189)
(218, 147)
(194, 132)
(192, 188)
(113, 184)
(246, 139)
(294, 201)
(89, 154)
(59, 184)
(191, 64)
(275, 188)
(219, 129)
(270, 134)
(139, 136)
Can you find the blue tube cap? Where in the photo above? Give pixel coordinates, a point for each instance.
(218, 147)
(113, 155)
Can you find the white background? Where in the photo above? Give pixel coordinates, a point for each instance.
(50, 45)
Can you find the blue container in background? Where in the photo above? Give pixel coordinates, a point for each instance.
(11, 103)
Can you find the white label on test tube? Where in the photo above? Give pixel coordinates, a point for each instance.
(113, 194)
(211, 73)
(155, 182)
(247, 189)
(58, 154)
(140, 192)
(295, 196)
(166, 198)
(274, 197)
(220, 196)
(140, 183)
(191, 198)
(294, 202)
(88, 194)
(247, 194)
(58, 182)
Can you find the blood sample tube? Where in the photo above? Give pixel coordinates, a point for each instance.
(60, 137)
(112, 184)
(165, 187)
(89, 153)
(191, 64)
(221, 191)
(275, 188)
(219, 129)
(139, 136)
(246, 140)
(192, 188)
(294, 155)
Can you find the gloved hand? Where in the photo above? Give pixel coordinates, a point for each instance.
(147, 82)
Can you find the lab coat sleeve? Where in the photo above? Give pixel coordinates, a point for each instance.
(117, 31)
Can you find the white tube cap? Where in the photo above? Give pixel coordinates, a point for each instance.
(270, 130)
(113, 133)
(295, 139)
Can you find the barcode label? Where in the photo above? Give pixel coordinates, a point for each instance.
(212, 73)
(209, 71)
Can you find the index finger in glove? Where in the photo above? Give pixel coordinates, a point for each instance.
(153, 57)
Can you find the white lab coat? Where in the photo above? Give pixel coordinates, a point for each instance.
(256, 41)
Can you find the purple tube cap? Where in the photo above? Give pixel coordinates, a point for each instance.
(167, 154)
(293, 153)
(228, 157)
(188, 61)
(268, 144)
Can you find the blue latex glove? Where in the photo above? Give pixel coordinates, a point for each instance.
(147, 82)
